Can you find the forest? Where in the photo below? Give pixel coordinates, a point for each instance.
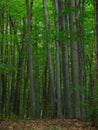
(49, 60)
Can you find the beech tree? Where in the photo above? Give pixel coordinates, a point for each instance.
(65, 64)
(29, 5)
(59, 108)
(52, 87)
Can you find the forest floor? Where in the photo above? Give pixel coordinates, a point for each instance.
(57, 124)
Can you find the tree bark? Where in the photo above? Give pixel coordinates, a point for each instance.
(74, 61)
(65, 64)
(59, 108)
(52, 89)
(29, 4)
(96, 82)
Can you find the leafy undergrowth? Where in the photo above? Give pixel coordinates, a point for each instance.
(61, 124)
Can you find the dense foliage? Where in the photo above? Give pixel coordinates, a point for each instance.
(48, 59)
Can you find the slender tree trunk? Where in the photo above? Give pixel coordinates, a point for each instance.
(18, 83)
(3, 75)
(74, 61)
(96, 85)
(14, 58)
(37, 83)
(26, 78)
(29, 4)
(1, 56)
(59, 108)
(53, 100)
(44, 90)
(65, 64)
(7, 62)
(81, 54)
(19, 76)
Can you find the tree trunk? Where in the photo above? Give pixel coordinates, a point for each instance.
(59, 108)
(74, 61)
(81, 54)
(1, 56)
(65, 64)
(52, 90)
(44, 90)
(29, 4)
(19, 76)
(96, 85)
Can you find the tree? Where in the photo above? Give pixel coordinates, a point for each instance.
(29, 4)
(59, 108)
(74, 60)
(81, 55)
(52, 89)
(65, 64)
(96, 85)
